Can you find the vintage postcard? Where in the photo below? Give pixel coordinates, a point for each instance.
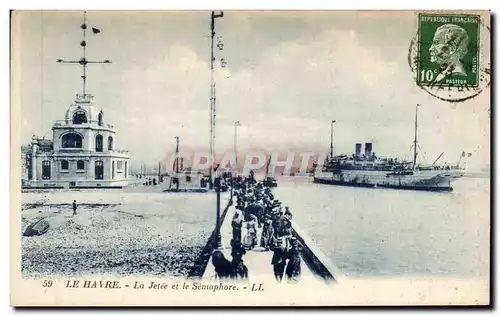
(250, 158)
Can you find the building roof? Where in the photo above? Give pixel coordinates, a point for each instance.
(84, 103)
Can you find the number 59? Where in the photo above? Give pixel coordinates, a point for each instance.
(47, 283)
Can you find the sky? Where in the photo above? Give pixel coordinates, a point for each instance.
(288, 75)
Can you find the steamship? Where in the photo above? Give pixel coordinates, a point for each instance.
(369, 171)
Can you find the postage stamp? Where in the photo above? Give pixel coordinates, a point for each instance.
(449, 55)
(448, 52)
(295, 160)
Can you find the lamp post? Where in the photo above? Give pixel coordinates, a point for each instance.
(235, 171)
(236, 124)
(217, 211)
(177, 162)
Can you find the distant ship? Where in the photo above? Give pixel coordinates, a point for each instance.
(369, 171)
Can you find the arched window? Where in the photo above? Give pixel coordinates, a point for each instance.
(80, 165)
(99, 119)
(79, 117)
(71, 140)
(110, 143)
(64, 165)
(98, 143)
(46, 170)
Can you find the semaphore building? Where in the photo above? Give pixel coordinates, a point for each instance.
(82, 152)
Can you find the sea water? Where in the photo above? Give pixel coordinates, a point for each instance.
(387, 232)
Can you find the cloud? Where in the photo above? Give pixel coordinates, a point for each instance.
(308, 81)
(286, 79)
(163, 100)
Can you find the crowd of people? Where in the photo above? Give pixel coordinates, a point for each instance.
(258, 210)
(149, 180)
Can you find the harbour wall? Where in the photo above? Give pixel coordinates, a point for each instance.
(315, 259)
(311, 255)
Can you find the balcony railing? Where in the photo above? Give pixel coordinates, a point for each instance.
(84, 97)
(60, 123)
(93, 151)
(72, 150)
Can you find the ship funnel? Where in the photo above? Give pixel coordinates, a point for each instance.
(368, 150)
(358, 150)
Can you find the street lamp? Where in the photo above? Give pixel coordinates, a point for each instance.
(235, 171)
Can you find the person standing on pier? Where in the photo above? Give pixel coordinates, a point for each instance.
(74, 207)
(279, 247)
(223, 267)
(267, 233)
(293, 270)
(252, 177)
(250, 240)
(286, 258)
(288, 214)
(254, 210)
(237, 224)
(240, 270)
(260, 211)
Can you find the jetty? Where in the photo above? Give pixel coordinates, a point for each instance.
(316, 269)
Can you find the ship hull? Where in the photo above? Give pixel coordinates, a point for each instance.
(429, 180)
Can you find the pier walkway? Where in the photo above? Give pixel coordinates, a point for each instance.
(258, 261)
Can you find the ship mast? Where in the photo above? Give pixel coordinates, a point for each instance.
(267, 167)
(415, 141)
(159, 172)
(175, 166)
(331, 140)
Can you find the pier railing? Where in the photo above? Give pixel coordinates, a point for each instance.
(314, 258)
(201, 262)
